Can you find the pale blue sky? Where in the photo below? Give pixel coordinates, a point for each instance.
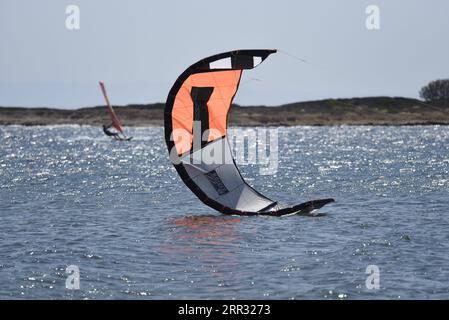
(139, 48)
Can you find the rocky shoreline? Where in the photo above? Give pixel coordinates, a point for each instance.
(354, 111)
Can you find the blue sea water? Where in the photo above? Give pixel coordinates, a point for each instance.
(119, 211)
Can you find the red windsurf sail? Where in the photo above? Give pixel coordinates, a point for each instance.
(114, 119)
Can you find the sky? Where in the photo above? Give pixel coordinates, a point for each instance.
(139, 48)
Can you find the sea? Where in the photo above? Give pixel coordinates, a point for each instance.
(86, 217)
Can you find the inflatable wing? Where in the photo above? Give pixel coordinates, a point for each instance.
(195, 123)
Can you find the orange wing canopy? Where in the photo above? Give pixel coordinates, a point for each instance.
(220, 88)
(203, 95)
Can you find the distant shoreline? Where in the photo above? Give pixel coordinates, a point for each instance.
(387, 111)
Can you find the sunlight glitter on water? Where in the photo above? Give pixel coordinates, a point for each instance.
(120, 212)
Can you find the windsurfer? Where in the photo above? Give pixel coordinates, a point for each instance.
(109, 133)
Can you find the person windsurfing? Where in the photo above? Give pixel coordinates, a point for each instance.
(119, 135)
(106, 131)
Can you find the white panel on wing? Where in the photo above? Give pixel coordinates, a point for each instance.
(257, 60)
(221, 64)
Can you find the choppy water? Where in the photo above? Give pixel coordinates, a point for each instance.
(70, 196)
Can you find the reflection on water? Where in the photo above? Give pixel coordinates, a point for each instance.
(205, 237)
(208, 226)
